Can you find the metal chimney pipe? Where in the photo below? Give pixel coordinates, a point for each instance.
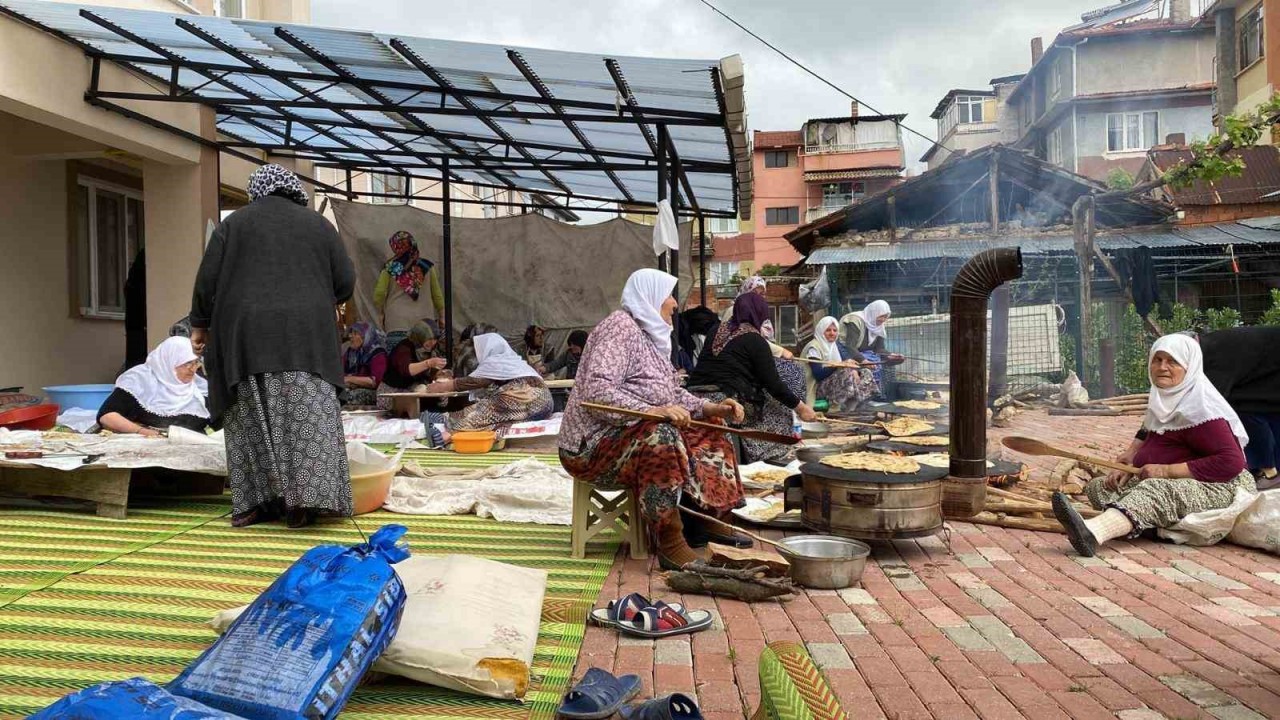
(965, 491)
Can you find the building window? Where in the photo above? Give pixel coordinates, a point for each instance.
(1132, 131)
(1053, 147)
(777, 158)
(722, 226)
(1055, 81)
(970, 108)
(786, 325)
(228, 8)
(109, 233)
(387, 189)
(782, 216)
(1250, 34)
(719, 273)
(838, 195)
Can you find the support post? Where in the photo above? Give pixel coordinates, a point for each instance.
(702, 259)
(893, 218)
(662, 180)
(1083, 230)
(993, 176)
(1107, 367)
(999, 382)
(446, 232)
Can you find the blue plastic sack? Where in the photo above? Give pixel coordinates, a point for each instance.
(133, 699)
(300, 649)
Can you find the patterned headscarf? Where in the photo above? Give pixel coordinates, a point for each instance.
(408, 267)
(751, 284)
(273, 179)
(750, 313)
(374, 342)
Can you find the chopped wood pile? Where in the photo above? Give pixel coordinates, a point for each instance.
(1109, 407)
(1020, 512)
(747, 575)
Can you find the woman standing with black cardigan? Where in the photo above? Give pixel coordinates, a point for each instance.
(265, 296)
(738, 363)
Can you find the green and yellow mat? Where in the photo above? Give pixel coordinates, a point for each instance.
(86, 599)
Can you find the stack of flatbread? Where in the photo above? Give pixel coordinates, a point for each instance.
(877, 462)
(925, 440)
(918, 405)
(904, 426)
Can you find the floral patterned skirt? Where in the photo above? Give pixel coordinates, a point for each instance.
(658, 462)
(1162, 502)
(848, 387)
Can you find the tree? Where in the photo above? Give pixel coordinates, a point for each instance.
(770, 270)
(1119, 179)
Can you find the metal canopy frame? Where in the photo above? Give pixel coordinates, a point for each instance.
(570, 131)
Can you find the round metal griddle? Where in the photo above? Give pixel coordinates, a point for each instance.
(896, 409)
(826, 472)
(871, 505)
(902, 448)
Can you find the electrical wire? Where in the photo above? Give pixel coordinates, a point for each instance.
(821, 79)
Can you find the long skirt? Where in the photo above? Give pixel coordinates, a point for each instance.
(285, 449)
(848, 387)
(360, 397)
(501, 406)
(1162, 502)
(772, 416)
(658, 461)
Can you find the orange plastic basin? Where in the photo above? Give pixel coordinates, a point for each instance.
(369, 491)
(34, 417)
(474, 442)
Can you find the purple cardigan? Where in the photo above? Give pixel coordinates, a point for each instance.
(620, 367)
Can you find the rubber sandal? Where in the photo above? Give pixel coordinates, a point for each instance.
(624, 609)
(662, 620)
(1082, 539)
(672, 707)
(598, 695)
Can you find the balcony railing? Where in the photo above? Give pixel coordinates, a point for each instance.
(851, 147)
(815, 213)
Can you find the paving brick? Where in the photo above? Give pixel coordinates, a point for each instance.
(857, 596)
(1110, 694)
(1094, 651)
(999, 635)
(994, 554)
(846, 624)
(901, 704)
(1226, 616)
(1235, 712)
(829, 655)
(1244, 607)
(966, 638)
(952, 711)
(1142, 714)
(990, 704)
(880, 672)
(1023, 692)
(1101, 606)
(1135, 627)
(1197, 691)
(672, 678)
(933, 688)
(673, 651)
(944, 617)
(973, 560)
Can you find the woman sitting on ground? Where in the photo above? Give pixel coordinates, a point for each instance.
(466, 347)
(364, 364)
(842, 381)
(163, 392)
(738, 364)
(1192, 459)
(627, 364)
(865, 334)
(534, 350)
(412, 362)
(507, 391)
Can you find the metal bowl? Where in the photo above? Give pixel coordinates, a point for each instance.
(826, 562)
(814, 430)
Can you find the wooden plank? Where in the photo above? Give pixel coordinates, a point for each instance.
(106, 487)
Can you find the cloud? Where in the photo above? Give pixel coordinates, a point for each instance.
(899, 56)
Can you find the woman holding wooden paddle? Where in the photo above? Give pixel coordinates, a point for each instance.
(1192, 459)
(627, 365)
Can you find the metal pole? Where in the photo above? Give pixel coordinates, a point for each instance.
(673, 177)
(446, 227)
(662, 180)
(702, 258)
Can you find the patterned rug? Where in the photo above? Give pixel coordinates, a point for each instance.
(447, 458)
(89, 599)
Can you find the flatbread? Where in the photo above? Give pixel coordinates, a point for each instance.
(918, 404)
(925, 440)
(940, 460)
(877, 462)
(904, 426)
(836, 441)
(768, 512)
(771, 476)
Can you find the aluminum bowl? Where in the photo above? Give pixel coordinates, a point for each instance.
(814, 430)
(826, 562)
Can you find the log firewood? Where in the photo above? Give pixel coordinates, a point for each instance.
(738, 558)
(746, 584)
(1014, 522)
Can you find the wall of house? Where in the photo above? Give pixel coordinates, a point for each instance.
(1144, 62)
(862, 159)
(1254, 84)
(45, 343)
(1195, 121)
(776, 187)
(1208, 214)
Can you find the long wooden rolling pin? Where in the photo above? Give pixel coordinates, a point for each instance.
(752, 434)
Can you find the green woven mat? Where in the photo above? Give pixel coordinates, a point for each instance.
(146, 611)
(448, 458)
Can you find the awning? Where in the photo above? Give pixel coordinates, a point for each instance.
(851, 174)
(571, 126)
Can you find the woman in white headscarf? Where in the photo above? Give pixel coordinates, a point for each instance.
(865, 334)
(507, 390)
(163, 392)
(627, 364)
(1191, 455)
(843, 382)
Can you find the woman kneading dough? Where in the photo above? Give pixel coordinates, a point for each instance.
(163, 392)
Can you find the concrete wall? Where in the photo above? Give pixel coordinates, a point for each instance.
(1144, 62)
(1195, 121)
(776, 187)
(851, 160)
(45, 342)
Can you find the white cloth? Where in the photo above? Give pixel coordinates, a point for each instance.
(819, 348)
(645, 292)
(525, 491)
(1192, 402)
(666, 233)
(155, 384)
(497, 361)
(870, 314)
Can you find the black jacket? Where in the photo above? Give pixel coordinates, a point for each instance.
(743, 370)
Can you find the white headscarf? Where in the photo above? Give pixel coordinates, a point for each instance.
(155, 384)
(750, 285)
(645, 292)
(826, 350)
(1192, 402)
(766, 329)
(870, 315)
(497, 361)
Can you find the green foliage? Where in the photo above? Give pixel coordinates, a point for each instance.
(770, 270)
(1272, 315)
(735, 279)
(1119, 179)
(1222, 318)
(1208, 162)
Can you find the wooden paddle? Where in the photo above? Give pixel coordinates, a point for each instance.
(750, 434)
(1031, 446)
(832, 363)
(734, 528)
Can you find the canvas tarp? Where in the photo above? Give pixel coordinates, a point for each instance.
(511, 272)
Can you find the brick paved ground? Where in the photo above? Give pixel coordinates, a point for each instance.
(1005, 624)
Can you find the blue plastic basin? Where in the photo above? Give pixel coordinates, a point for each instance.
(86, 397)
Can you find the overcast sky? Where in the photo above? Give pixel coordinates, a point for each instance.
(898, 56)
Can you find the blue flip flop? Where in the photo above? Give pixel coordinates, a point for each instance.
(598, 695)
(671, 707)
